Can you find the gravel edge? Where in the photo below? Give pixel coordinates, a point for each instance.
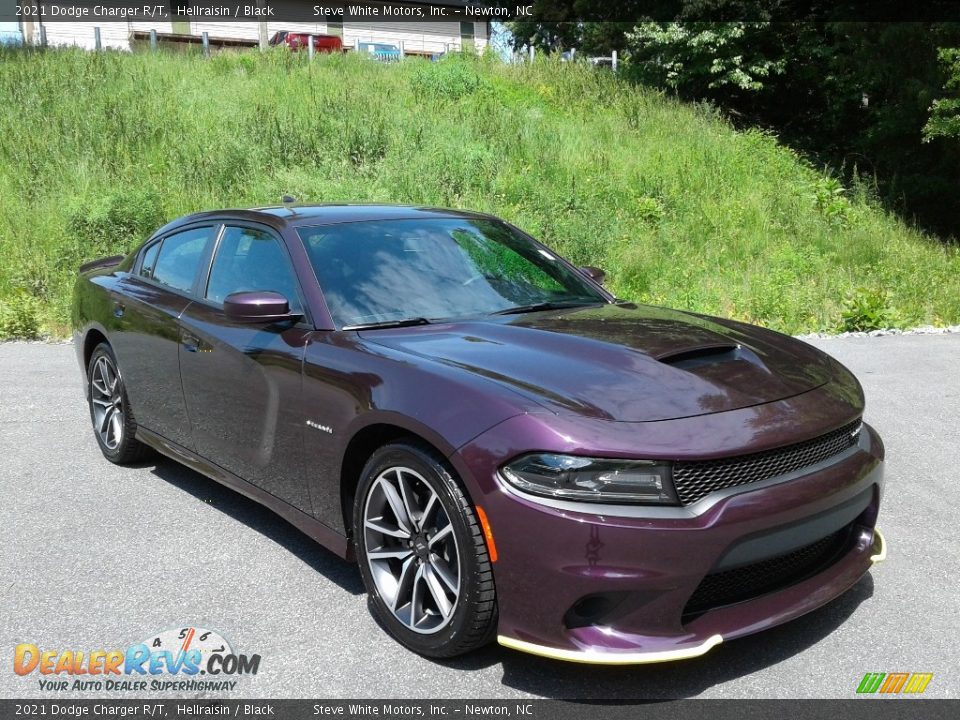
(922, 330)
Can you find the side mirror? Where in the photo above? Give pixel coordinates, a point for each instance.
(257, 307)
(594, 273)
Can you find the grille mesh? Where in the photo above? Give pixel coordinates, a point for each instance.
(695, 480)
(750, 581)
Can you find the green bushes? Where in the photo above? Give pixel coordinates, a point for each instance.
(867, 309)
(104, 225)
(100, 149)
(19, 316)
(450, 79)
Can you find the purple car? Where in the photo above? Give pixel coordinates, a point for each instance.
(506, 449)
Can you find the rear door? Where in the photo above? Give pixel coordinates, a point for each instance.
(147, 304)
(242, 381)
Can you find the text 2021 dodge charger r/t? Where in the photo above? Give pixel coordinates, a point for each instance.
(506, 449)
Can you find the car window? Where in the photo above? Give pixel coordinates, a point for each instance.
(149, 260)
(381, 271)
(179, 258)
(249, 260)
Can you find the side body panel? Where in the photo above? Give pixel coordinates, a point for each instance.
(242, 385)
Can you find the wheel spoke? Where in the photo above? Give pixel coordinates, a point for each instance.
(389, 553)
(436, 590)
(428, 510)
(396, 505)
(409, 500)
(116, 424)
(440, 535)
(378, 525)
(98, 371)
(102, 402)
(415, 598)
(443, 571)
(105, 375)
(105, 421)
(404, 584)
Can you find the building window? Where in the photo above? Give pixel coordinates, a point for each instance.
(466, 35)
(180, 22)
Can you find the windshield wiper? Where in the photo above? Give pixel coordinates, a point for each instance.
(388, 324)
(536, 307)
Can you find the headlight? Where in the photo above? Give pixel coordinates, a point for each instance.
(592, 479)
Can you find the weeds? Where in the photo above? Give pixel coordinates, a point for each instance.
(101, 148)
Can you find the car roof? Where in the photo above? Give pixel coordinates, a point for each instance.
(296, 215)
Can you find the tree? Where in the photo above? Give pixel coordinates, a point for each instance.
(944, 119)
(591, 26)
(699, 58)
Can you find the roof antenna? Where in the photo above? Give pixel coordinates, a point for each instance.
(288, 201)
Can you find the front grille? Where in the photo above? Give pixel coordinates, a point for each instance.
(751, 581)
(697, 479)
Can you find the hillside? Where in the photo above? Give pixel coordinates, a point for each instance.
(99, 149)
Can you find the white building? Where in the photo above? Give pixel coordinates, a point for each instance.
(412, 37)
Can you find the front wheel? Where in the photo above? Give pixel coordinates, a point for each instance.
(422, 554)
(113, 422)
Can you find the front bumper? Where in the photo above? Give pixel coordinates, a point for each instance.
(651, 563)
(595, 656)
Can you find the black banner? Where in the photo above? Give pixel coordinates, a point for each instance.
(861, 709)
(112, 11)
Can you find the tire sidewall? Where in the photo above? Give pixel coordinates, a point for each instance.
(445, 485)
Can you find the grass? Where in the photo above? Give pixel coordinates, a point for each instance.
(100, 148)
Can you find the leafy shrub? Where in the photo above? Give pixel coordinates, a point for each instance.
(450, 79)
(649, 209)
(366, 141)
(114, 222)
(866, 309)
(19, 317)
(830, 200)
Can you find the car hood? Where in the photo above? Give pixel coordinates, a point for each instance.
(624, 363)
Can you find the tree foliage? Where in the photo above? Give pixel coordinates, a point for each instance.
(591, 26)
(945, 112)
(854, 96)
(703, 56)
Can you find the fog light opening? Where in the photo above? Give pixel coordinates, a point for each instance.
(593, 610)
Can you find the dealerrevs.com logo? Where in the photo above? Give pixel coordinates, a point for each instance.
(183, 660)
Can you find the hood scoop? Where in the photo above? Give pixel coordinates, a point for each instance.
(694, 357)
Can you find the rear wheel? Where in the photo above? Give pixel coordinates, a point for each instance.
(422, 554)
(113, 423)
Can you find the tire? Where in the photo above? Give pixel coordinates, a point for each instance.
(408, 570)
(114, 426)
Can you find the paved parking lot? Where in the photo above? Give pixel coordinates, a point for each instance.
(96, 556)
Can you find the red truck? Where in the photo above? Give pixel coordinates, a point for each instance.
(300, 40)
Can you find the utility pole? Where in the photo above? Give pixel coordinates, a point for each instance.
(262, 25)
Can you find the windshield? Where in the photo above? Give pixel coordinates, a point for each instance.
(445, 268)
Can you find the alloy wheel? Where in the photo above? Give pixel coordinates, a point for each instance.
(106, 396)
(411, 550)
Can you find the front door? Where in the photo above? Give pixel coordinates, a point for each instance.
(242, 381)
